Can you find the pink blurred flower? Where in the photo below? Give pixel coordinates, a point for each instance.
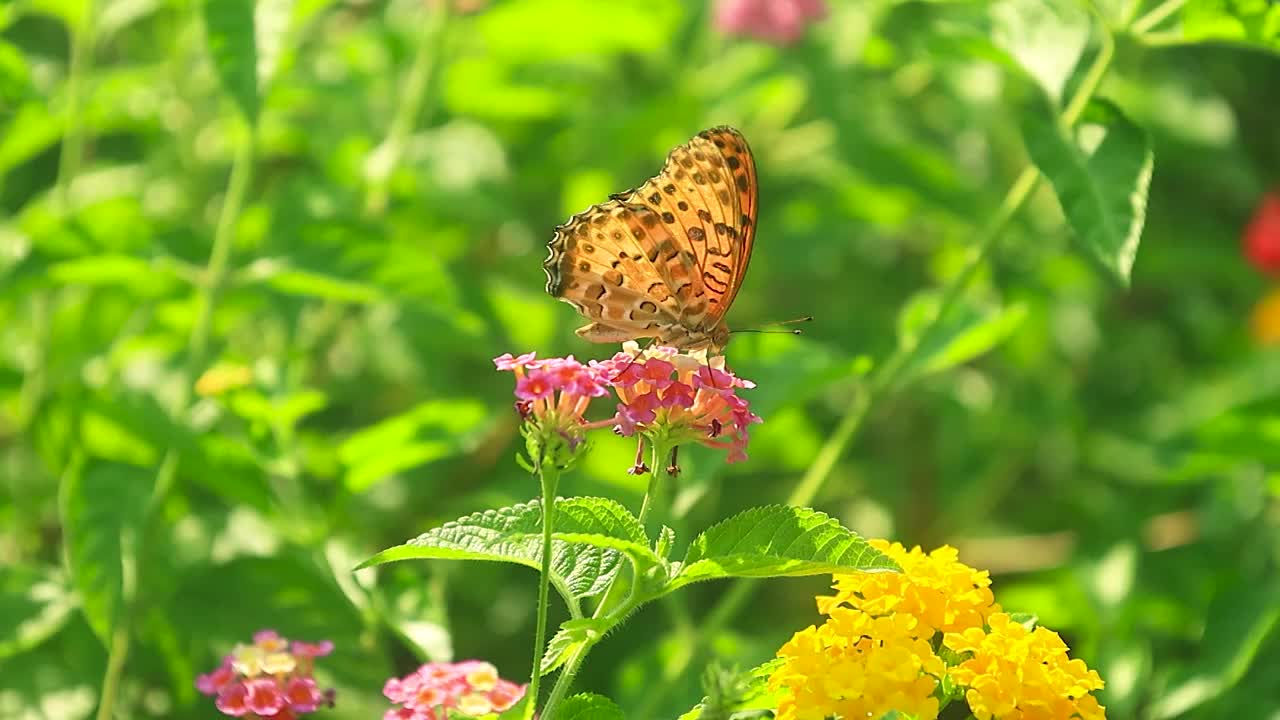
(303, 695)
(469, 688)
(212, 683)
(313, 650)
(233, 699)
(265, 697)
(269, 678)
(780, 22)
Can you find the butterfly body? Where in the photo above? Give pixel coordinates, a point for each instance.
(666, 259)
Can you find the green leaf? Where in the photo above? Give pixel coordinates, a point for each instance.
(513, 534)
(572, 635)
(777, 541)
(431, 431)
(283, 278)
(229, 32)
(102, 508)
(1238, 623)
(141, 277)
(35, 603)
(1252, 23)
(966, 333)
(1103, 194)
(588, 706)
(1027, 620)
(1044, 37)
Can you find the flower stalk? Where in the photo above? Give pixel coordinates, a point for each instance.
(549, 477)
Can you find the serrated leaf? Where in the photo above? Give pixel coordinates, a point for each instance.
(230, 35)
(666, 540)
(1103, 194)
(755, 696)
(588, 706)
(777, 541)
(966, 333)
(102, 509)
(35, 603)
(513, 534)
(572, 635)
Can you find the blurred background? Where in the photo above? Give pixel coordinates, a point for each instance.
(231, 370)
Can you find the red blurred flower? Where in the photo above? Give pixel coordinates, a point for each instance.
(1262, 236)
(780, 22)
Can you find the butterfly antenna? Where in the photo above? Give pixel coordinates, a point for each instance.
(639, 354)
(793, 321)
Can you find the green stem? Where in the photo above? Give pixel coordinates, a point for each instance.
(890, 374)
(1158, 14)
(418, 81)
(550, 478)
(609, 607)
(215, 275)
(73, 137)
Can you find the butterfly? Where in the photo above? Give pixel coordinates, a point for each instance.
(664, 260)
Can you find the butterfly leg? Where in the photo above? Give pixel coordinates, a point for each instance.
(639, 468)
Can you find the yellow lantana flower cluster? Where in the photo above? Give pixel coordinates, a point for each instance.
(883, 646)
(1019, 673)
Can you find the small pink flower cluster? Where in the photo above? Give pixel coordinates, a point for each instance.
(471, 687)
(539, 381)
(269, 679)
(780, 22)
(683, 397)
(688, 397)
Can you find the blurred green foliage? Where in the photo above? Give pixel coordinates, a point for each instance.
(330, 218)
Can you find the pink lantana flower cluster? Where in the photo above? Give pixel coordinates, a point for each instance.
(470, 688)
(780, 22)
(662, 394)
(270, 678)
(680, 398)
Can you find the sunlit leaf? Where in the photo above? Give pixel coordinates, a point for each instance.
(777, 541)
(1103, 193)
(230, 35)
(1253, 23)
(966, 333)
(429, 432)
(514, 535)
(36, 603)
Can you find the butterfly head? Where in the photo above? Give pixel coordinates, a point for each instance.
(713, 340)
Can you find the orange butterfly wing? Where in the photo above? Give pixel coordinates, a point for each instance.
(664, 260)
(706, 195)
